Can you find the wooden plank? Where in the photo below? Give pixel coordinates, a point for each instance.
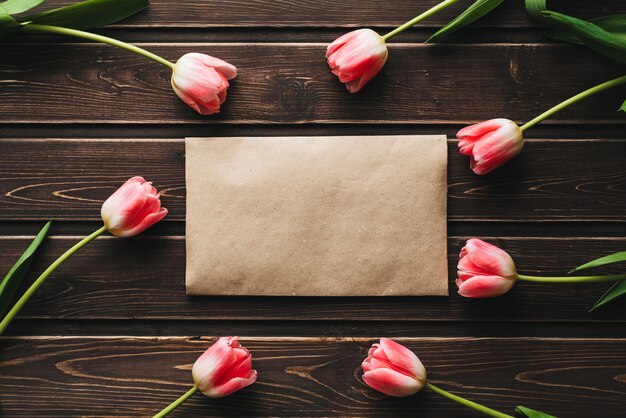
(327, 13)
(127, 376)
(67, 83)
(179, 131)
(143, 278)
(558, 180)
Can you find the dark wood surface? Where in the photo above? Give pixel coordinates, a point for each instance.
(549, 183)
(289, 83)
(112, 333)
(130, 376)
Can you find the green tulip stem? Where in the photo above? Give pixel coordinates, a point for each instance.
(33, 288)
(428, 13)
(178, 402)
(589, 92)
(573, 279)
(473, 405)
(32, 27)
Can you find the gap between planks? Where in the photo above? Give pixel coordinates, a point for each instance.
(182, 140)
(323, 45)
(450, 237)
(309, 339)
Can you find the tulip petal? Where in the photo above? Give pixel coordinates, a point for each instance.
(497, 148)
(488, 258)
(202, 88)
(123, 204)
(129, 198)
(189, 101)
(485, 286)
(213, 363)
(379, 353)
(402, 357)
(373, 349)
(152, 205)
(228, 70)
(465, 264)
(231, 386)
(149, 188)
(201, 81)
(374, 68)
(239, 369)
(356, 57)
(341, 41)
(490, 144)
(145, 223)
(391, 382)
(478, 130)
(378, 363)
(132, 208)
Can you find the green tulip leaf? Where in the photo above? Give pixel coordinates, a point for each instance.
(522, 411)
(477, 10)
(13, 279)
(88, 14)
(622, 107)
(8, 25)
(615, 24)
(590, 34)
(617, 290)
(602, 261)
(606, 35)
(19, 6)
(535, 7)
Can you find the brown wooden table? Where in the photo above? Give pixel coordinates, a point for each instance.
(112, 333)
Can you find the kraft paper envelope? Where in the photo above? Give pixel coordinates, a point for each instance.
(317, 216)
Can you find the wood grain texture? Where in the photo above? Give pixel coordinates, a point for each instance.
(291, 83)
(559, 204)
(143, 278)
(73, 377)
(328, 13)
(551, 180)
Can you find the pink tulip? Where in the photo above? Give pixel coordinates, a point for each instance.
(224, 368)
(356, 57)
(133, 208)
(201, 81)
(490, 144)
(393, 369)
(484, 270)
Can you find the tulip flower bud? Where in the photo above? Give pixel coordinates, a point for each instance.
(133, 208)
(356, 57)
(393, 369)
(224, 368)
(490, 144)
(484, 270)
(201, 81)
